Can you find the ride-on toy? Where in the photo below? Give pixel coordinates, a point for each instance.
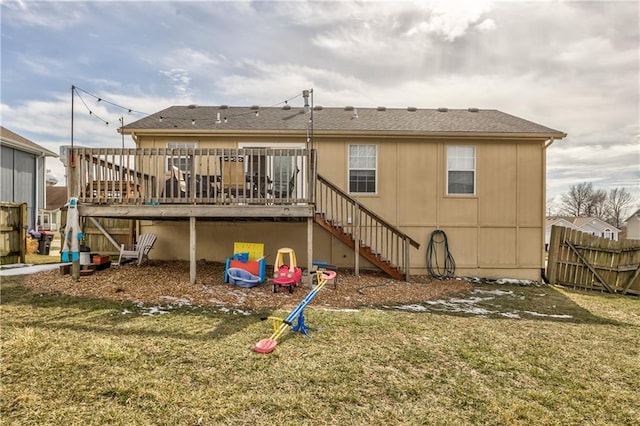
(266, 346)
(286, 275)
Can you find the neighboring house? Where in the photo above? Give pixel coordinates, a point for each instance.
(597, 227)
(478, 175)
(590, 225)
(23, 172)
(49, 218)
(556, 221)
(633, 226)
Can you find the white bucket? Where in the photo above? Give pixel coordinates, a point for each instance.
(85, 258)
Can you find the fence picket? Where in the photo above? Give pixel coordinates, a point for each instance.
(585, 261)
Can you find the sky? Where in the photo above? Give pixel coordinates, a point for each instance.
(573, 66)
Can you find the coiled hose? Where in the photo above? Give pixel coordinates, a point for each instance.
(446, 271)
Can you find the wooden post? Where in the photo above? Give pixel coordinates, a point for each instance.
(407, 266)
(356, 238)
(309, 251)
(192, 249)
(554, 248)
(75, 270)
(72, 178)
(23, 232)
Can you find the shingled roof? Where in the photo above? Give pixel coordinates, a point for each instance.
(214, 119)
(9, 138)
(56, 197)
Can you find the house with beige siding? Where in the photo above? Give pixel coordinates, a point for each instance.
(354, 187)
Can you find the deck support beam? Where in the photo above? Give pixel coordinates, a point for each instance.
(309, 250)
(192, 250)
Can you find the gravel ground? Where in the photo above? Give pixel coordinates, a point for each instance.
(167, 283)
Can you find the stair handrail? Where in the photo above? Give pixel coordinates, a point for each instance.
(365, 209)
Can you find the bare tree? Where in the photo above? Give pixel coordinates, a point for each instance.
(597, 205)
(583, 200)
(577, 201)
(552, 207)
(618, 201)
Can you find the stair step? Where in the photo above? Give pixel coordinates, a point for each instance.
(365, 251)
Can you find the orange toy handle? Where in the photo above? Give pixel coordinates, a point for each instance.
(328, 275)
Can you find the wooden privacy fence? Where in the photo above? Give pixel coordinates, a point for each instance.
(100, 234)
(578, 259)
(13, 232)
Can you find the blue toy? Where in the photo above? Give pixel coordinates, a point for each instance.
(72, 234)
(242, 278)
(248, 257)
(280, 325)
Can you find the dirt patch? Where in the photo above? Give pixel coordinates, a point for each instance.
(167, 283)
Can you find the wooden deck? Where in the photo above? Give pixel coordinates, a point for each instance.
(231, 184)
(200, 211)
(189, 182)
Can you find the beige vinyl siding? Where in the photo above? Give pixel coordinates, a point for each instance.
(416, 191)
(495, 233)
(530, 189)
(530, 246)
(497, 185)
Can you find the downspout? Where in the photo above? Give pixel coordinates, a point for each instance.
(39, 183)
(548, 143)
(543, 274)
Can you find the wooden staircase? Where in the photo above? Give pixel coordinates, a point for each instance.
(379, 242)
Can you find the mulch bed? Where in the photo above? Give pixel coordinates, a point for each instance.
(167, 283)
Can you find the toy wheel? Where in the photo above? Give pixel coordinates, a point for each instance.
(291, 289)
(274, 289)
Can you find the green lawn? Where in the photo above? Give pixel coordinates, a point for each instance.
(565, 357)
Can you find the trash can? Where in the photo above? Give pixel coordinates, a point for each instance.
(85, 255)
(44, 243)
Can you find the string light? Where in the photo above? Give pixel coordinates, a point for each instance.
(91, 112)
(252, 110)
(255, 110)
(129, 110)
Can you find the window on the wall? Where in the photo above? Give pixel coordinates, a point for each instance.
(362, 169)
(461, 170)
(179, 158)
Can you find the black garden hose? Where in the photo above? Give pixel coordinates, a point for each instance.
(445, 271)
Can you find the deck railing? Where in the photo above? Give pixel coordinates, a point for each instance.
(191, 175)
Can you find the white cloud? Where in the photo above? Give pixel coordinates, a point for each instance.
(43, 14)
(451, 19)
(181, 81)
(486, 25)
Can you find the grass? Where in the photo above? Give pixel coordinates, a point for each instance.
(95, 362)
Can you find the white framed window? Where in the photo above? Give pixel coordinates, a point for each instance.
(608, 234)
(461, 170)
(179, 158)
(363, 169)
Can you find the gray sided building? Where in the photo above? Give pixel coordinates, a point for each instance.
(22, 172)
